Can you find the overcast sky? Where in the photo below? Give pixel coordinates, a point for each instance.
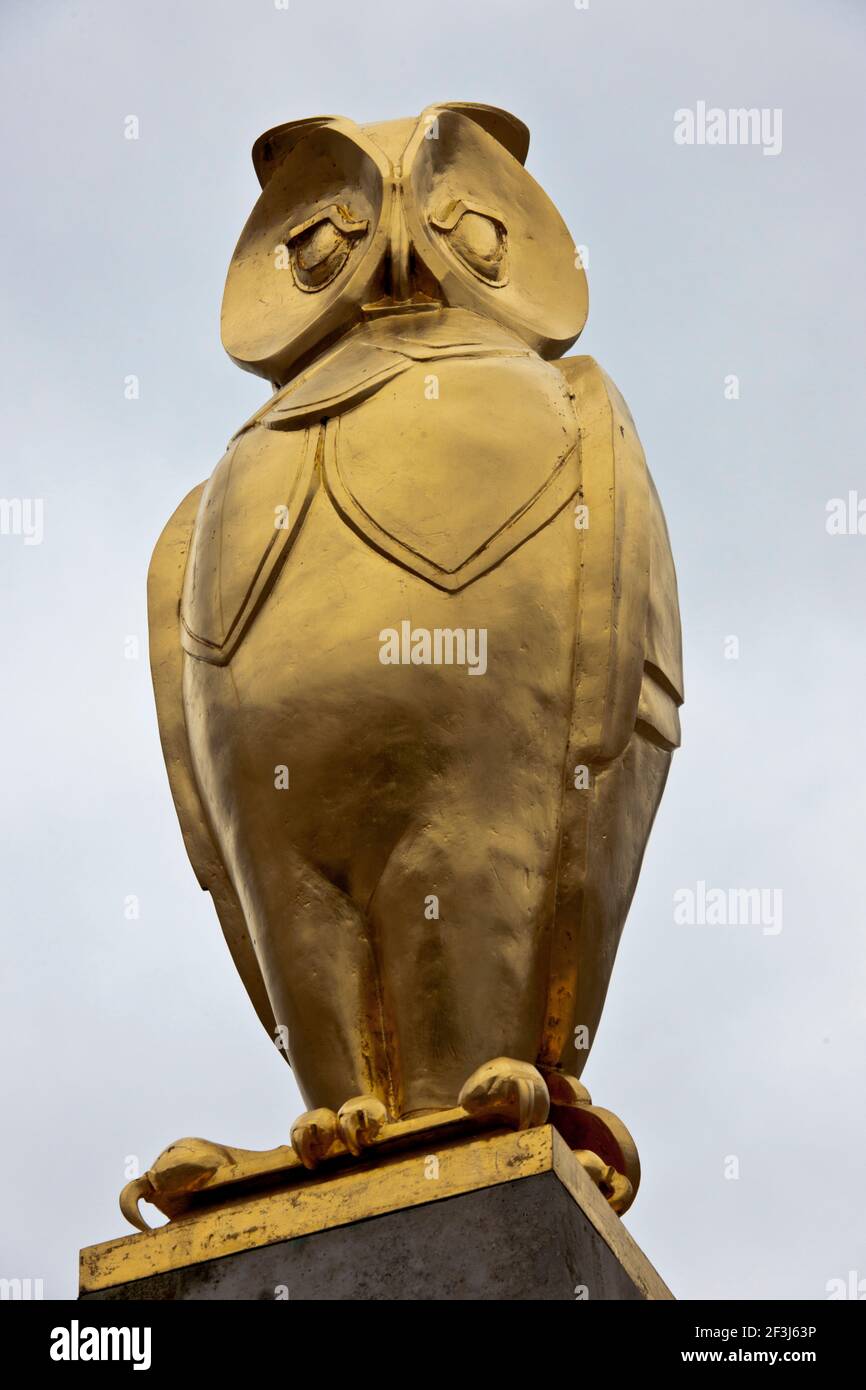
(705, 262)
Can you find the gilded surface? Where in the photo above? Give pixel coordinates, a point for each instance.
(254, 1219)
(415, 643)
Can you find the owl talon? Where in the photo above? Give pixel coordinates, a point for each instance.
(360, 1120)
(613, 1186)
(508, 1088)
(183, 1168)
(313, 1135)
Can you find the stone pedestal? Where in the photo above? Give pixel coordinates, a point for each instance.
(501, 1216)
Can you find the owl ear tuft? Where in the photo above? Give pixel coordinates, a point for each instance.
(511, 133)
(276, 142)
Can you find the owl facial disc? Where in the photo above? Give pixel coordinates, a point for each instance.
(355, 222)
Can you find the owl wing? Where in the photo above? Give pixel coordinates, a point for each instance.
(629, 641)
(625, 720)
(164, 587)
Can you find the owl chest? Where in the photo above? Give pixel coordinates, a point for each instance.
(443, 474)
(391, 692)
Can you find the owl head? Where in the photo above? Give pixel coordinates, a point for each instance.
(431, 213)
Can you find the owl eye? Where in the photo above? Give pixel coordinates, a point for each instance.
(320, 246)
(478, 238)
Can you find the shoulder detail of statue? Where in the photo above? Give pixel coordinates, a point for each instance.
(250, 511)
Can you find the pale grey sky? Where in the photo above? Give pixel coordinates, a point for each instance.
(704, 261)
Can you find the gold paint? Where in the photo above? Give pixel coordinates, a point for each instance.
(394, 1183)
(195, 1172)
(428, 465)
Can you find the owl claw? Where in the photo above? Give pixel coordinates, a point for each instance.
(360, 1120)
(526, 1102)
(508, 1088)
(613, 1186)
(313, 1135)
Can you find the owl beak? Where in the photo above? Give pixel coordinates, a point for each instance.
(401, 291)
(400, 250)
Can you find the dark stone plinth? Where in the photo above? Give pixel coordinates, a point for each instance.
(538, 1235)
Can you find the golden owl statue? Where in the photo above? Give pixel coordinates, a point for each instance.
(416, 643)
